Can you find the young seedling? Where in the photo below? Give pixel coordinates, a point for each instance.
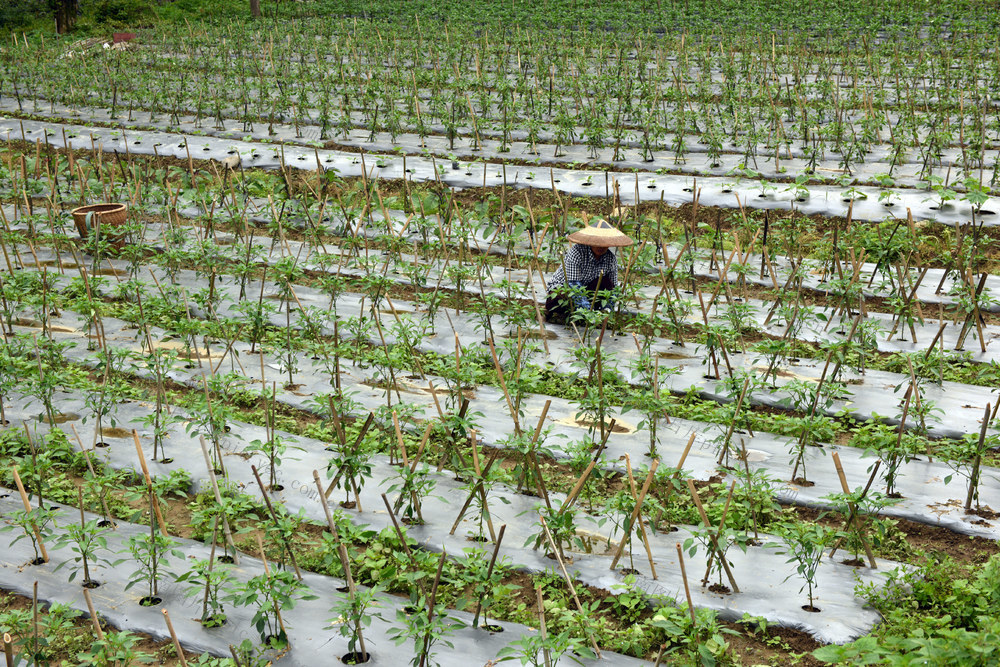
(87, 541)
(149, 553)
(805, 543)
(269, 593)
(208, 579)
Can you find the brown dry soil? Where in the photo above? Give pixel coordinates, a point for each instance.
(921, 536)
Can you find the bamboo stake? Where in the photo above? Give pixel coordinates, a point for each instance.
(489, 573)
(149, 484)
(542, 631)
(974, 476)
(430, 608)
(226, 529)
(684, 578)
(94, 620)
(578, 487)
(853, 518)
(345, 562)
(357, 443)
(635, 513)
(27, 508)
(503, 386)
(567, 578)
(177, 642)
(679, 468)
(402, 539)
(477, 490)
(642, 525)
(539, 479)
(267, 573)
(722, 524)
(713, 534)
(274, 517)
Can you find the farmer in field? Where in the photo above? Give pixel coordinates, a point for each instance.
(588, 275)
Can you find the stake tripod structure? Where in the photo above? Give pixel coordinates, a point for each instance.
(274, 517)
(722, 524)
(354, 450)
(402, 540)
(226, 528)
(642, 524)
(345, 561)
(724, 454)
(411, 466)
(478, 489)
(815, 403)
(578, 487)
(489, 573)
(267, 573)
(852, 516)
(90, 467)
(974, 475)
(713, 536)
(975, 314)
(636, 516)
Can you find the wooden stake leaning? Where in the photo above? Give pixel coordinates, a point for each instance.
(274, 517)
(94, 620)
(226, 528)
(974, 476)
(345, 561)
(489, 573)
(430, 608)
(687, 588)
(90, 467)
(578, 487)
(27, 508)
(871, 480)
(402, 539)
(532, 456)
(267, 573)
(149, 484)
(567, 578)
(542, 631)
(177, 642)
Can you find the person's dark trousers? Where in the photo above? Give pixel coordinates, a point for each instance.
(559, 305)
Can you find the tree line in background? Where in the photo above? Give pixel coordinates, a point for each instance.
(64, 14)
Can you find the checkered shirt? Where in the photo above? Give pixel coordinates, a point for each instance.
(581, 267)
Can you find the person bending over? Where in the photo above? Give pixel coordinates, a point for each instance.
(589, 273)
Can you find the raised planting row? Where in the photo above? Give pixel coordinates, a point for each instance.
(864, 202)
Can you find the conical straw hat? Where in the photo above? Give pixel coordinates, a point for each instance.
(600, 234)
